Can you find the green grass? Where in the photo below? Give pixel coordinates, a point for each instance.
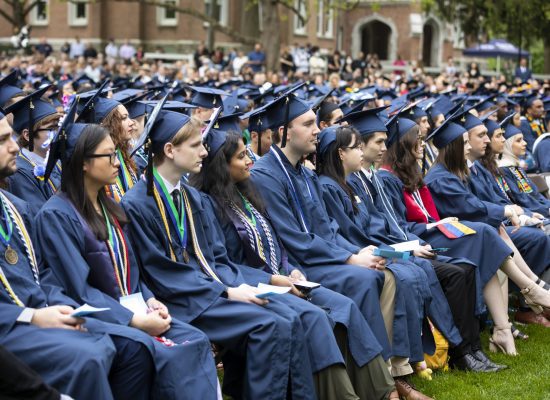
(527, 376)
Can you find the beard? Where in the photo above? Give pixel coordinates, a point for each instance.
(6, 172)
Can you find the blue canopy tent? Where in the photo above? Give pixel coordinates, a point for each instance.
(496, 48)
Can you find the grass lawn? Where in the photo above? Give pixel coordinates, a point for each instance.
(527, 376)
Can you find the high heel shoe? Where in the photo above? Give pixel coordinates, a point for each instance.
(536, 297)
(503, 340)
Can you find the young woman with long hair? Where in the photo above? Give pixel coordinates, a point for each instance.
(252, 242)
(458, 296)
(81, 232)
(447, 183)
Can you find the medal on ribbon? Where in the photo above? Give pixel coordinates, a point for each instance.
(5, 234)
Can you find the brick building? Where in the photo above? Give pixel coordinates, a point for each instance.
(388, 28)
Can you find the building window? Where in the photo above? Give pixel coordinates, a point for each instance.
(167, 16)
(39, 13)
(300, 23)
(325, 19)
(220, 11)
(78, 13)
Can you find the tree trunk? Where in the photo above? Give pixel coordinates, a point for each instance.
(19, 14)
(546, 42)
(270, 36)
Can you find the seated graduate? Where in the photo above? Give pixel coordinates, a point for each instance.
(94, 108)
(533, 245)
(252, 242)
(523, 191)
(293, 197)
(180, 261)
(36, 323)
(35, 122)
(447, 181)
(457, 279)
(488, 184)
(541, 151)
(82, 236)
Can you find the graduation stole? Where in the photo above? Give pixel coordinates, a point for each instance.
(125, 180)
(187, 210)
(40, 176)
(503, 186)
(178, 219)
(13, 218)
(118, 251)
(250, 218)
(536, 125)
(521, 179)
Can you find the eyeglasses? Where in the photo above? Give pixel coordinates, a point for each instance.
(112, 156)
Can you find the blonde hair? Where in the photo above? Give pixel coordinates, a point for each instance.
(184, 133)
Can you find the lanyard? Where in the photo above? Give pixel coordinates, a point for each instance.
(248, 208)
(128, 178)
(5, 234)
(294, 193)
(118, 253)
(386, 202)
(179, 220)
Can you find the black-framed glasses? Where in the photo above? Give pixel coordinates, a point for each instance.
(358, 146)
(112, 156)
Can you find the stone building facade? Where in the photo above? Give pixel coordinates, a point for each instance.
(389, 28)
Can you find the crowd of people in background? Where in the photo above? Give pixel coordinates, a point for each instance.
(397, 207)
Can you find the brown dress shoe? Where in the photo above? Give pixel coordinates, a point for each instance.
(529, 317)
(408, 392)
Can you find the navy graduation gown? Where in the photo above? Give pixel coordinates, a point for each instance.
(542, 153)
(317, 247)
(526, 197)
(263, 343)
(82, 265)
(73, 362)
(453, 198)
(340, 309)
(417, 282)
(25, 185)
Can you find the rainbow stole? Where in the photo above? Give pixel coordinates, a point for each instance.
(455, 230)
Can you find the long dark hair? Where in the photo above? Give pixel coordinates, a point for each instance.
(452, 157)
(489, 161)
(331, 164)
(113, 122)
(401, 159)
(215, 180)
(72, 183)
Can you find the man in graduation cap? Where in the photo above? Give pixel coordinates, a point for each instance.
(35, 122)
(9, 91)
(183, 261)
(532, 121)
(206, 99)
(293, 196)
(541, 147)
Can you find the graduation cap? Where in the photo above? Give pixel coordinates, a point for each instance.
(54, 99)
(30, 110)
(232, 104)
(9, 88)
(81, 81)
(465, 118)
(215, 134)
(490, 124)
(64, 141)
(486, 103)
(229, 123)
(170, 105)
(509, 129)
(92, 107)
(230, 85)
(366, 122)
(131, 99)
(386, 95)
(160, 128)
(257, 122)
(326, 137)
(397, 127)
(414, 111)
(446, 133)
(207, 97)
(546, 103)
(281, 111)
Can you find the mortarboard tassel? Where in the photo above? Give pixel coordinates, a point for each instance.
(31, 127)
(285, 129)
(149, 169)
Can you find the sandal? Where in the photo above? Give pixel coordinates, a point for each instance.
(518, 334)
